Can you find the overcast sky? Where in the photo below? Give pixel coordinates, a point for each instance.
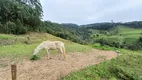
(91, 11)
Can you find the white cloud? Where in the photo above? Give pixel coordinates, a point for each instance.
(91, 11)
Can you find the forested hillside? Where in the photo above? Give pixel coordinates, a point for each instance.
(19, 16)
(111, 25)
(23, 16)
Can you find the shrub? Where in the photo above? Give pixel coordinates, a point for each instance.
(139, 40)
(116, 44)
(102, 41)
(34, 57)
(97, 35)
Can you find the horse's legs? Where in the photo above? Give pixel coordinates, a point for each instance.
(62, 52)
(59, 53)
(48, 54)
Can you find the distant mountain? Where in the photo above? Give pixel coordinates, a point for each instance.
(108, 25)
(70, 25)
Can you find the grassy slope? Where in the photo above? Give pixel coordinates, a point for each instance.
(19, 45)
(129, 31)
(129, 35)
(128, 66)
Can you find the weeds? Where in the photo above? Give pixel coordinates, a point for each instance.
(35, 57)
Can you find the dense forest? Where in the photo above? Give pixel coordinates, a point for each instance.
(23, 16)
(19, 16)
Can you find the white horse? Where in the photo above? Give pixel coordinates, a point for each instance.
(51, 45)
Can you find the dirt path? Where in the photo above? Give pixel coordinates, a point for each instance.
(54, 69)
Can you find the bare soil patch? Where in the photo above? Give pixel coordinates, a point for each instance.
(54, 68)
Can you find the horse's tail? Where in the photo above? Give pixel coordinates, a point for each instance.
(64, 52)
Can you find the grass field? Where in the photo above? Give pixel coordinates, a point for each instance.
(125, 34)
(24, 45)
(128, 31)
(128, 66)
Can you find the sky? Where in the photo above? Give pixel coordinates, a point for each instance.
(91, 11)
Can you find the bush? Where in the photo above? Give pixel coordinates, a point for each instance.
(139, 40)
(102, 41)
(116, 44)
(34, 57)
(97, 35)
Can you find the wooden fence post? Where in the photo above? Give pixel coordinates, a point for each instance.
(13, 71)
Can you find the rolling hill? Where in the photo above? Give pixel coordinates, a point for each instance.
(22, 45)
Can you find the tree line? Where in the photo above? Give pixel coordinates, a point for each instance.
(110, 25)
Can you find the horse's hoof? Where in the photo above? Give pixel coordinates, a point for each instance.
(49, 58)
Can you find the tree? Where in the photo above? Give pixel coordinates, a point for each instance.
(28, 12)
